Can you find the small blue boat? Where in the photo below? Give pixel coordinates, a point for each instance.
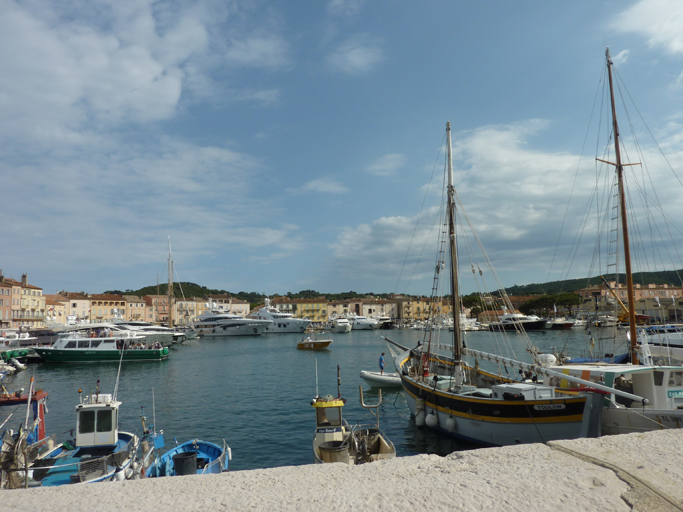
(194, 457)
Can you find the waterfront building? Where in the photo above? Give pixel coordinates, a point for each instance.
(229, 304)
(56, 308)
(106, 307)
(77, 305)
(185, 310)
(5, 303)
(379, 307)
(135, 309)
(28, 304)
(600, 293)
(160, 307)
(313, 309)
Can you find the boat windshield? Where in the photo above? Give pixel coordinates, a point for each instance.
(328, 416)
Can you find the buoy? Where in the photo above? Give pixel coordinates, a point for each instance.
(432, 420)
(419, 412)
(450, 424)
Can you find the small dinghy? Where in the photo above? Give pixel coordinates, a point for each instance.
(378, 380)
(194, 457)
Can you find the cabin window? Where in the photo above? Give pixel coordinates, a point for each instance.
(83, 343)
(86, 422)
(676, 379)
(70, 344)
(95, 343)
(328, 416)
(659, 378)
(104, 421)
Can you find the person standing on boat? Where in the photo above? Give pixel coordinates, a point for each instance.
(381, 364)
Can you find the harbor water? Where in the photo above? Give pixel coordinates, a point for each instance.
(255, 392)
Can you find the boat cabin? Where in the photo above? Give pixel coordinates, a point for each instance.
(328, 418)
(97, 423)
(662, 386)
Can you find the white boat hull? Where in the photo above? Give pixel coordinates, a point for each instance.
(628, 421)
(341, 328)
(377, 379)
(234, 330)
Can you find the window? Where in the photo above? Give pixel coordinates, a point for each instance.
(328, 416)
(70, 344)
(86, 422)
(104, 420)
(83, 343)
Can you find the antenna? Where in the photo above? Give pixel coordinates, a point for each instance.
(154, 413)
(316, 378)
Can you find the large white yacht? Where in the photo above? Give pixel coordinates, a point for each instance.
(281, 322)
(340, 324)
(363, 322)
(221, 323)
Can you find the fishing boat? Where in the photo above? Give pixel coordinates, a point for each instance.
(661, 386)
(336, 441)
(311, 342)
(99, 452)
(29, 442)
(446, 393)
(378, 379)
(100, 343)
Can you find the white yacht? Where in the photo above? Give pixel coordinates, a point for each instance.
(220, 323)
(363, 322)
(281, 322)
(152, 333)
(340, 324)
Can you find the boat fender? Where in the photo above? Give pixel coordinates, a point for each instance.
(432, 420)
(118, 475)
(419, 412)
(450, 424)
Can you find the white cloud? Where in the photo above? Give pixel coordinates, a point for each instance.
(621, 57)
(257, 51)
(326, 185)
(661, 21)
(358, 54)
(344, 8)
(387, 165)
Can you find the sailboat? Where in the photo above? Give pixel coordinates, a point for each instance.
(662, 385)
(445, 393)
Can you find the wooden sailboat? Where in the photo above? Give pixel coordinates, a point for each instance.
(661, 386)
(442, 393)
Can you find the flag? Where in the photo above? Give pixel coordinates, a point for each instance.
(554, 308)
(658, 303)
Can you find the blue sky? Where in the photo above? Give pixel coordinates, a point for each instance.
(286, 145)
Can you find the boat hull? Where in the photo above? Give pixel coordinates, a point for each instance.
(234, 330)
(379, 380)
(504, 422)
(534, 325)
(51, 355)
(313, 345)
(210, 459)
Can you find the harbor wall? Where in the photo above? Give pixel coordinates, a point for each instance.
(641, 472)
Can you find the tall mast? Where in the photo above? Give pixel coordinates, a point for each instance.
(455, 293)
(624, 223)
(170, 285)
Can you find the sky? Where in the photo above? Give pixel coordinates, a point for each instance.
(285, 146)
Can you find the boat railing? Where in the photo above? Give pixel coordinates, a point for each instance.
(218, 465)
(90, 469)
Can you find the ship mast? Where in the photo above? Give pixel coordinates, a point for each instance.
(455, 292)
(170, 285)
(624, 225)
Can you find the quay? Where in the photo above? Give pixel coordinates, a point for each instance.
(629, 472)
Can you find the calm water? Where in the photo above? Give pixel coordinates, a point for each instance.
(255, 392)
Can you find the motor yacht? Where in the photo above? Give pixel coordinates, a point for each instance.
(221, 323)
(340, 324)
(363, 322)
(281, 322)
